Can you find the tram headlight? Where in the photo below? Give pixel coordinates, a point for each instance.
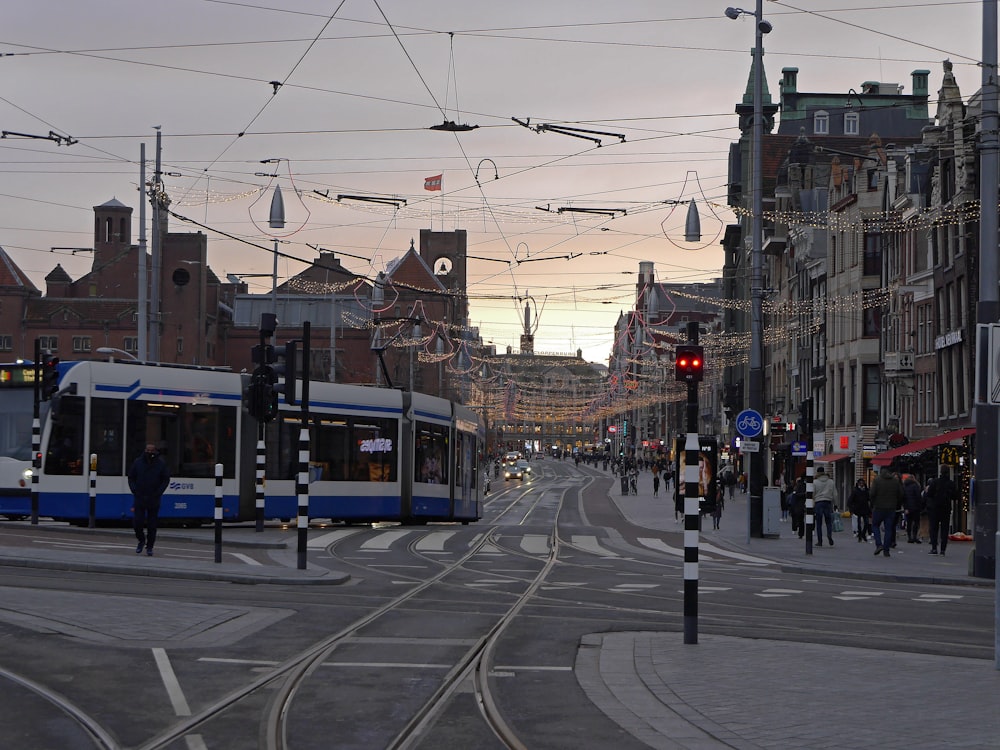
(25, 479)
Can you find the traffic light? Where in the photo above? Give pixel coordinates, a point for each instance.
(262, 399)
(50, 377)
(689, 361)
(285, 365)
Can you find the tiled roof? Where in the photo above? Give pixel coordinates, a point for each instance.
(58, 275)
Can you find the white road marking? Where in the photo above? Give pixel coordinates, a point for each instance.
(174, 692)
(660, 546)
(383, 541)
(434, 542)
(937, 597)
(853, 596)
(735, 555)
(590, 544)
(245, 558)
(768, 593)
(535, 544)
(325, 540)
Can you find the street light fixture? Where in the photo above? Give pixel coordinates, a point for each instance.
(276, 221)
(756, 379)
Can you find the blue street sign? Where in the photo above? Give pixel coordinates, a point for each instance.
(799, 448)
(749, 423)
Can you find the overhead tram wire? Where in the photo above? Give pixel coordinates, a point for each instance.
(277, 87)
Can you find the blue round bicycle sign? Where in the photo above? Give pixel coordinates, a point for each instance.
(749, 423)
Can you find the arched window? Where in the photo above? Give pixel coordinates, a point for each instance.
(109, 229)
(821, 123)
(852, 123)
(122, 234)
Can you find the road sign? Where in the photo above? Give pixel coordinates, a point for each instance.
(799, 448)
(750, 446)
(749, 423)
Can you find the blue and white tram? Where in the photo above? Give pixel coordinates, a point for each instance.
(375, 454)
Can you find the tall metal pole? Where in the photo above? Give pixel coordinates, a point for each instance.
(302, 484)
(143, 280)
(36, 434)
(692, 514)
(756, 380)
(987, 465)
(156, 197)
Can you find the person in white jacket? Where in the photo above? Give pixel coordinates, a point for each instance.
(824, 494)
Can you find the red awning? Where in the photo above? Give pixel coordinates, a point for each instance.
(918, 446)
(829, 458)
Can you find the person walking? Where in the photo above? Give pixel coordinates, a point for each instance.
(824, 495)
(656, 483)
(147, 479)
(913, 506)
(860, 505)
(717, 510)
(797, 507)
(939, 498)
(886, 496)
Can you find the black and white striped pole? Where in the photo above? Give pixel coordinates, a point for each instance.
(810, 474)
(92, 512)
(36, 434)
(689, 363)
(261, 467)
(218, 513)
(302, 483)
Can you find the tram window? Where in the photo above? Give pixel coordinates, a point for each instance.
(208, 436)
(156, 423)
(106, 425)
(351, 449)
(65, 447)
(431, 454)
(282, 441)
(374, 449)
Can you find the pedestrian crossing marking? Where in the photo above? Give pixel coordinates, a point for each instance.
(590, 544)
(434, 542)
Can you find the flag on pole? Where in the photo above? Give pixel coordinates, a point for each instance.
(433, 183)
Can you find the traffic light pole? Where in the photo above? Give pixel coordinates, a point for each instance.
(261, 460)
(36, 434)
(302, 485)
(691, 492)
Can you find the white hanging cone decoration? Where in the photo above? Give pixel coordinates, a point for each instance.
(692, 226)
(277, 218)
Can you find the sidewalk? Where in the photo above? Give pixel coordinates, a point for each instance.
(847, 557)
(755, 694)
(270, 556)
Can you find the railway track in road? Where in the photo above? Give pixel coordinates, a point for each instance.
(298, 685)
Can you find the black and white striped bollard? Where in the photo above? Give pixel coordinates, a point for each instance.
(218, 513)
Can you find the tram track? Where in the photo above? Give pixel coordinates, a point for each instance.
(89, 726)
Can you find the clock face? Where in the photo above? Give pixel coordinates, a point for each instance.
(442, 266)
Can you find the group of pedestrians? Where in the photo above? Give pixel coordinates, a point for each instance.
(879, 509)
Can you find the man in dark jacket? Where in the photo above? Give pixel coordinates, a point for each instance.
(939, 498)
(147, 478)
(887, 497)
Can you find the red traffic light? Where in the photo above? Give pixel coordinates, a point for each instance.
(689, 363)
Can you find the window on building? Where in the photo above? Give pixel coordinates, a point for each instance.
(49, 343)
(180, 344)
(131, 344)
(6, 343)
(873, 254)
(81, 343)
(871, 322)
(870, 395)
(821, 123)
(852, 123)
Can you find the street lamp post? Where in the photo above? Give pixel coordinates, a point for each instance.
(756, 380)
